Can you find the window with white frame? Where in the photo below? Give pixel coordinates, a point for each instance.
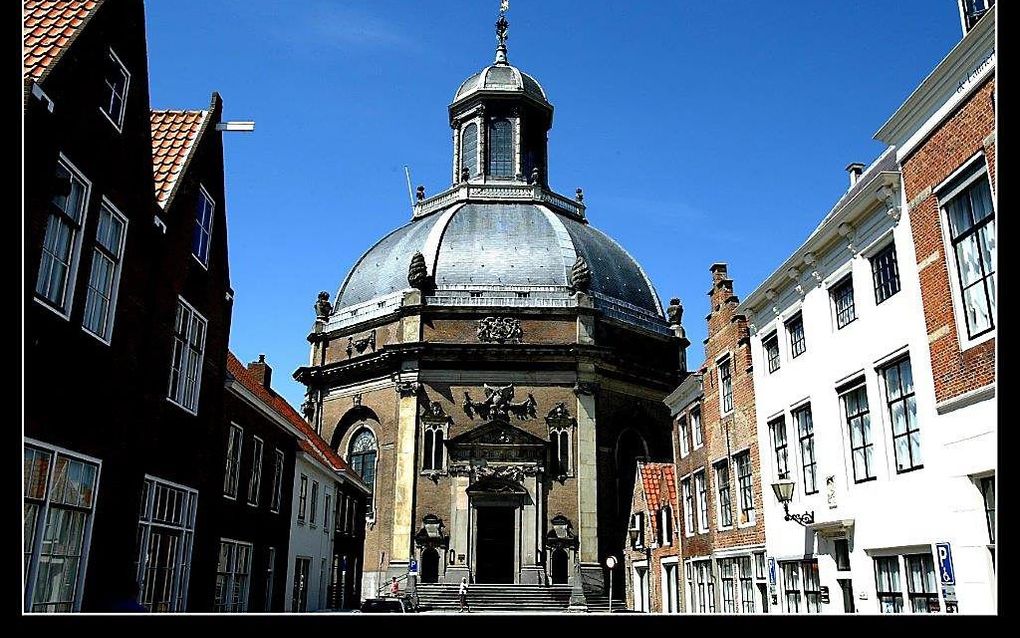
(433, 450)
(987, 486)
(669, 588)
(703, 591)
(777, 427)
(325, 513)
(681, 429)
(969, 209)
(166, 531)
(885, 273)
(637, 522)
(117, 81)
(696, 433)
(726, 385)
(314, 502)
(665, 526)
(920, 584)
(302, 499)
(801, 586)
(843, 301)
(723, 502)
(202, 237)
(278, 460)
(235, 438)
(685, 486)
(188, 354)
(771, 346)
(806, 435)
(54, 284)
(270, 578)
(702, 492)
(233, 571)
(858, 421)
(728, 585)
(59, 504)
(795, 329)
(902, 406)
(746, 585)
(745, 486)
(641, 597)
(255, 480)
(104, 277)
(299, 598)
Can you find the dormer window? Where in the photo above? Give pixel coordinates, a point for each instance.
(117, 80)
(501, 148)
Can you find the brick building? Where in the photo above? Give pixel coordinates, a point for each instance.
(717, 466)
(494, 368)
(127, 287)
(653, 551)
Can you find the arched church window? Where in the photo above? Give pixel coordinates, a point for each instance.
(362, 457)
(433, 454)
(501, 148)
(469, 149)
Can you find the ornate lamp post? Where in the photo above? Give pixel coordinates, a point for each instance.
(784, 494)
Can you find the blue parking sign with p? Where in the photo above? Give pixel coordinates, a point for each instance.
(772, 571)
(945, 556)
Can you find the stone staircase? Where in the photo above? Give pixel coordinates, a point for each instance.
(506, 598)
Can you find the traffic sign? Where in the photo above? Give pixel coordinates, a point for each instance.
(772, 571)
(946, 573)
(413, 567)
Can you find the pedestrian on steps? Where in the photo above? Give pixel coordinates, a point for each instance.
(463, 592)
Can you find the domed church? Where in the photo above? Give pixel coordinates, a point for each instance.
(494, 367)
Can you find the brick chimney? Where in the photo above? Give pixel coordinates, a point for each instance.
(261, 371)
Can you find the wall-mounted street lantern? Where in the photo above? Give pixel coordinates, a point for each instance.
(784, 493)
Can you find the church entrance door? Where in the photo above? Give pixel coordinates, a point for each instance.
(496, 544)
(559, 567)
(430, 565)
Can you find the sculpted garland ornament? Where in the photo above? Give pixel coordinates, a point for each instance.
(500, 330)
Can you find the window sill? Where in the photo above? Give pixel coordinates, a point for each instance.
(909, 470)
(188, 410)
(205, 266)
(866, 480)
(750, 523)
(118, 127)
(101, 339)
(63, 313)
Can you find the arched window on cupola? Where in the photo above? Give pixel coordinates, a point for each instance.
(501, 148)
(362, 457)
(469, 149)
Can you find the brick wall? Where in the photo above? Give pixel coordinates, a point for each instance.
(958, 139)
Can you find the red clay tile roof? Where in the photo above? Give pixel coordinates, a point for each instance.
(173, 138)
(48, 27)
(312, 443)
(659, 481)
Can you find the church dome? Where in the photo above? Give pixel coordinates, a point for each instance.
(500, 236)
(500, 254)
(501, 77)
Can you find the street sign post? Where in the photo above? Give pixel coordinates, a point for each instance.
(946, 574)
(611, 563)
(413, 567)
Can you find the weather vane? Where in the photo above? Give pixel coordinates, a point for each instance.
(502, 25)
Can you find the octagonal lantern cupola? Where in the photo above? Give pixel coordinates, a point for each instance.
(500, 118)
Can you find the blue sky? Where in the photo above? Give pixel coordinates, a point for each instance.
(700, 131)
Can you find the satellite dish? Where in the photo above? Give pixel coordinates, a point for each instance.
(611, 562)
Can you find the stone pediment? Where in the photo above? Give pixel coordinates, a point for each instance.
(496, 433)
(498, 442)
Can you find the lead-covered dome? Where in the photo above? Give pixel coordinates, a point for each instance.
(501, 77)
(500, 254)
